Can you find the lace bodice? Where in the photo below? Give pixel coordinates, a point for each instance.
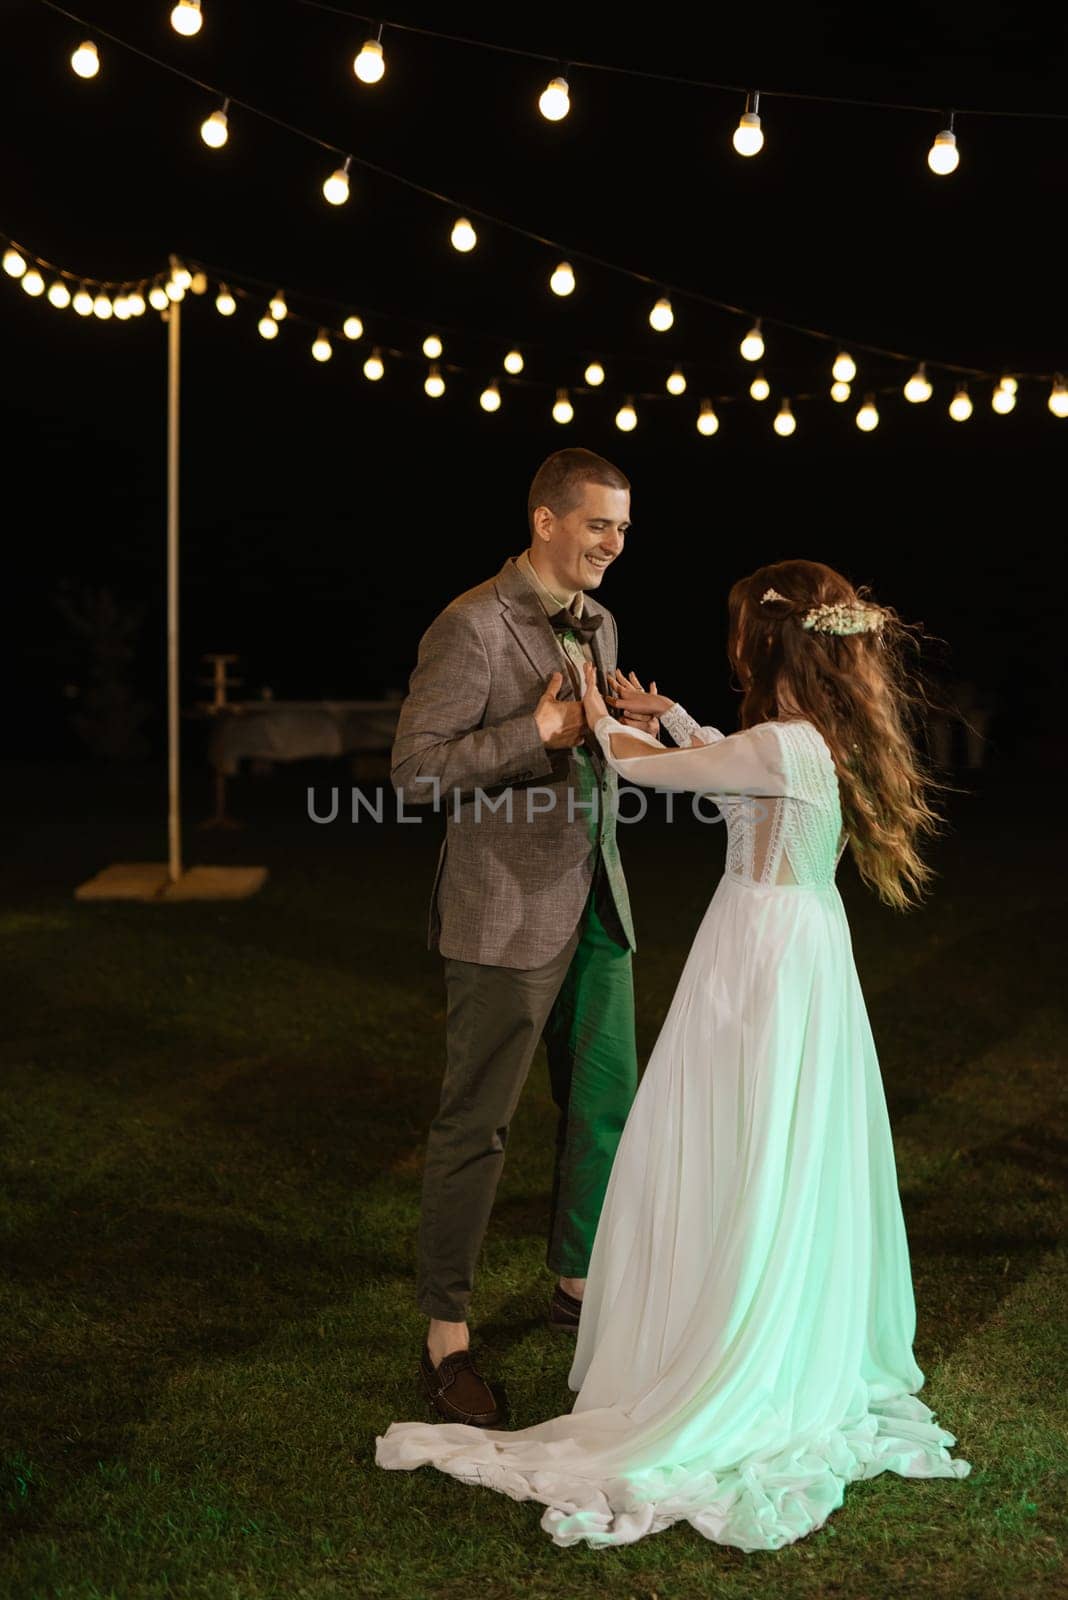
(775, 784)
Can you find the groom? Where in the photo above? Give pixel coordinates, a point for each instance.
(529, 907)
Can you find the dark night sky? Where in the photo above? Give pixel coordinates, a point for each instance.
(326, 519)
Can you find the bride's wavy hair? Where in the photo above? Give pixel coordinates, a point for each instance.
(859, 687)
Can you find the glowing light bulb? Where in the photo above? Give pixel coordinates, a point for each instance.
(14, 264)
(432, 347)
(268, 328)
(594, 374)
(336, 187)
(785, 422)
(200, 282)
(32, 282)
(225, 304)
(513, 362)
(85, 60)
(554, 102)
(352, 328)
(1058, 398)
(136, 303)
(102, 307)
(748, 137)
(960, 407)
(122, 308)
(321, 348)
(463, 235)
(158, 298)
(181, 276)
(214, 129)
(175, 289)
(563, 279)
(676, 383)
(760, 388)
(661, 316)
(563, 410)
(626, 417)
(845, 368)
(707, 421)
(1009, 383)
(370, 65)
(278, 308)
(59, 295)
(943, 156)
(490, 398)
(752, 346)
(83, 303)
(868, 416)
(918, 387)
(186, 18)
(434, 384)
(373, 367)
(841, 391)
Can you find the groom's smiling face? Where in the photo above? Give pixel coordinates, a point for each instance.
(581, 546)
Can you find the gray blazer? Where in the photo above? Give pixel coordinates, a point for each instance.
(508, 891)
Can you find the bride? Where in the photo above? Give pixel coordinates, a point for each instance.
(745, 1344)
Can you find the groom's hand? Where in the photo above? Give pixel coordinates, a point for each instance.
(560, 722)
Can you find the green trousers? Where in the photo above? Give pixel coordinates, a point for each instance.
(582, 1004)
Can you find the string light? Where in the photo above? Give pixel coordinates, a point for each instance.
(374, 366)
(32, 282)
(1003, 399)
(102, 307)
(563, 410)
(14, 264)
(960, 407)
(434, 383)
(136, 303)
(594, 374)
(661, 316)
(352, 328)
(432, 347)
(174, 289)
(563, 279)
(840, 391)
(626, 416)
(121, 308)
(760, 388)
(214, 130)
(336, 187)
(513, 362)
(554, 102)
(748, 137)
(225, 304)
(1009, 382)
(918, 388)
(278, 308)
(199, 282)
(181, 276)
(752, 346)
(85, 60)
(868, 416)
(707, 421)
(370, 65)
(321, 348)
(186, 18)
(268, 327)
(943, 156)
(158, 298)
(785, 422)
(83, 303)
(676, 383)
(845, 368)
(490, 398)
(1058, 398)
(59, 295)
(463, 236)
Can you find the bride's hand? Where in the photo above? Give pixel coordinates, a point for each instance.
(631, 699)
(592, 699)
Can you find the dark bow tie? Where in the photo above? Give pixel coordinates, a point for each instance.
(565, 621)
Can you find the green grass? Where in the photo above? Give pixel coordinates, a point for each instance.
(212, 1120)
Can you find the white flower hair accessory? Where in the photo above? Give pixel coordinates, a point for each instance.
(844, 617)
(772, 594)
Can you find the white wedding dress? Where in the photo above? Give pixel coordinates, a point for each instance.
(745, 1344)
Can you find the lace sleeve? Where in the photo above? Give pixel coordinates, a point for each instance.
(682, 727)
(744, 763)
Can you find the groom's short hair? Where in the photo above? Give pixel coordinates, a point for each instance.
(559, 481)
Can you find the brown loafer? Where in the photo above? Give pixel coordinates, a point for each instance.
(458, 1390)
(564, 1311)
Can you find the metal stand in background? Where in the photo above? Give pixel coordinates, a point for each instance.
(150, 880)
(219, 683)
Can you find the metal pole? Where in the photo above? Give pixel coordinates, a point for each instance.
(174, 817)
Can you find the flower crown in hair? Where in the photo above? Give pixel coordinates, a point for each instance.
(841, 618)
